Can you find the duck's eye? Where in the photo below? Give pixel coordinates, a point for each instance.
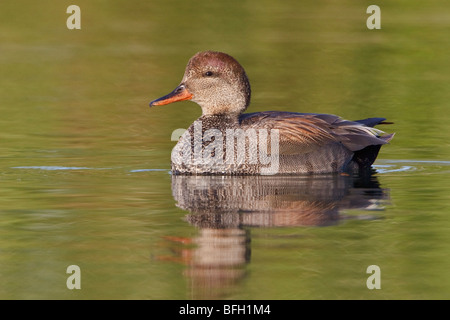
(208, 73)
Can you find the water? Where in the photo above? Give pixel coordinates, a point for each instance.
(85, 164)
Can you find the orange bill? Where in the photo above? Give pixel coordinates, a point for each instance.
(179, 94)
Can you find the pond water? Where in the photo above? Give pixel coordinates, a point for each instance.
(85, 164)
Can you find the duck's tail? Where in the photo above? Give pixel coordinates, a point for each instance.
(366, 157)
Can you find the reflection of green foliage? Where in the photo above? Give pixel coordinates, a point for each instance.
(80, 98)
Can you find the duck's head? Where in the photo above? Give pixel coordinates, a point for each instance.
(215, 81)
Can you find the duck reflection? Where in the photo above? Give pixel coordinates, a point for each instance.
(224, 208)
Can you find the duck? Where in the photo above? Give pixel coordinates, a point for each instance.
(225, 140)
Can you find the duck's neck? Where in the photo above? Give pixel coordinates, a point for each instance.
(220, 120)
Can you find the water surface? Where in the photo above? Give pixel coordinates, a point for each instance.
(85, 164)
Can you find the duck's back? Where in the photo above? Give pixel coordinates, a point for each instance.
(320, 143)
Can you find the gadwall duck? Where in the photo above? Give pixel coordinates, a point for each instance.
(226, 141)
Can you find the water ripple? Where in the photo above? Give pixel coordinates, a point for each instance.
(390, 166)
(53, 168)
(145, 170)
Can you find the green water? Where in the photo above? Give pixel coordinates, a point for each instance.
(84, 163)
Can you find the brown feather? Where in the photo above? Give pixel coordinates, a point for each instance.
(302, 133)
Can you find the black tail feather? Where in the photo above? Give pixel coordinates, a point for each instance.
(366, 157)
(372, 122)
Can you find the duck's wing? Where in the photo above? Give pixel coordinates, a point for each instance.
(306, 132)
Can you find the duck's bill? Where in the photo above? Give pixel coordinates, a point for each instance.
(179, 94)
